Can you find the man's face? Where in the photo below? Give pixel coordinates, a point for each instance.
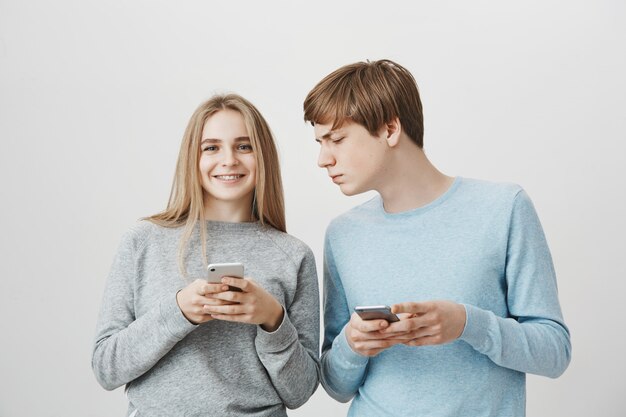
(353, 157)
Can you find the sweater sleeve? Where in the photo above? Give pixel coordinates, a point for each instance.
(290, 354)
(127, 346)
(534, 338)
(343, 370)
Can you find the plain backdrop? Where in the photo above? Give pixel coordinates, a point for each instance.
(95, 95)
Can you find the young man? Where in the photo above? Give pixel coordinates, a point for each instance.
(464, 263)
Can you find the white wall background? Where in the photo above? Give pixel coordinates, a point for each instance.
(94, 97)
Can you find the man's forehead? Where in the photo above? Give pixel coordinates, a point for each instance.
(322, 130)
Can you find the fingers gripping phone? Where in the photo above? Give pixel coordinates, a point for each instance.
(376, 313)
(218, 270)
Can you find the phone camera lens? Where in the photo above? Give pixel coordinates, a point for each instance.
(212, 269)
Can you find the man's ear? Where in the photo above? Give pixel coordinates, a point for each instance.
(392, 132)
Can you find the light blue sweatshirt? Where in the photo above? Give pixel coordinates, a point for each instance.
(480, 244)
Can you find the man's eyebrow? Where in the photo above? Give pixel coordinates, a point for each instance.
(327, 135)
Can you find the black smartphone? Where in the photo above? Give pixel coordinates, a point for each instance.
(376, 313)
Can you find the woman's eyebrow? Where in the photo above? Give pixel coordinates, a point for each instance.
(210, 140)
(237, 139)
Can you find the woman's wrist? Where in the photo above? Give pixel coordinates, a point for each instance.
(276, 318)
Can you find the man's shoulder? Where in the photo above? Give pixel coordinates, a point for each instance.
(489, 190)
(356, 215)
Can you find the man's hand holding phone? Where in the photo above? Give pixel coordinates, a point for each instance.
(364, 332)
(427, 323)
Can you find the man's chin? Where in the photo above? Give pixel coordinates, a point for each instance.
(349, 191)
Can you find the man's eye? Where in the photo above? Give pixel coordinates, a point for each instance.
(338, 140)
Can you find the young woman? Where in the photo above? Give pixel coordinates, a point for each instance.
(182, 345)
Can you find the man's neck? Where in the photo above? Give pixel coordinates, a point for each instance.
(411, 181)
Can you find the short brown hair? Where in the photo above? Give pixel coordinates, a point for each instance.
(370, 94)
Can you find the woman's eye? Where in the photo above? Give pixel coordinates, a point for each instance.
(245, 148)
(209, 148)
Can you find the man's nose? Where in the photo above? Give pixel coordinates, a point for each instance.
(325, 158)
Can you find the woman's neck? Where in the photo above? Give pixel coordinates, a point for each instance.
(228, 211)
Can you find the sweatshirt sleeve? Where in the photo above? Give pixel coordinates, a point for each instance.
(127, 346)
(343, 370)
(290, 354)
(534, 338)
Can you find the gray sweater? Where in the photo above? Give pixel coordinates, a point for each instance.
(174, 368)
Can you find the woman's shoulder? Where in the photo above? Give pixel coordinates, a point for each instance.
(144, 231)
(293, 247)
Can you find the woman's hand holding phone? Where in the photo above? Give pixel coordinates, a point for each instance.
(194, 297)
(252, 305)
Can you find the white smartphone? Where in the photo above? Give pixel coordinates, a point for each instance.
(376, 313)
(219, 270)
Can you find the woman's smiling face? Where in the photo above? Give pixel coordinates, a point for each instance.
(227, 161)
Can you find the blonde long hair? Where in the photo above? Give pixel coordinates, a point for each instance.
(186, 203)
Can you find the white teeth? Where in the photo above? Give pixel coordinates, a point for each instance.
(228, 177)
